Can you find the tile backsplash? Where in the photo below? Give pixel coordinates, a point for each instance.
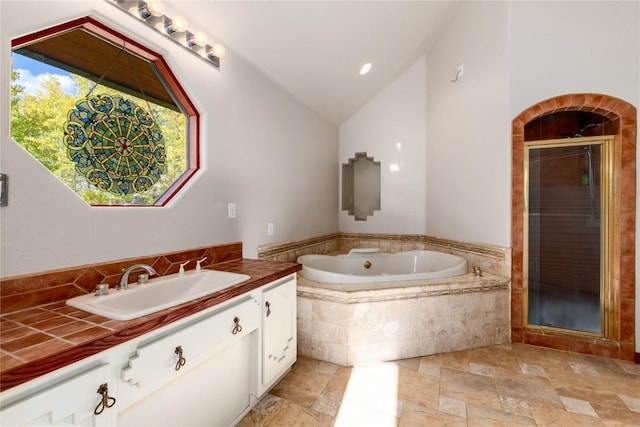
(21, 292)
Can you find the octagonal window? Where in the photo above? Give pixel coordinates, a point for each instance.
(103, 113)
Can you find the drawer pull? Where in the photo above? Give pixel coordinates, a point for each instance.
(268, 304)
(106, 401)
(181, 360)
(237, 328)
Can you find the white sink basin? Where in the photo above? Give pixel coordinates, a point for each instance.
(157, 294)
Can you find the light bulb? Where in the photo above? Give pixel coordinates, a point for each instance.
(217, 50)
(151, 8)
(178, 25)
(365, 69)
(199, 39)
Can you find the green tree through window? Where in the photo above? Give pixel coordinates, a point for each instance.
(63, 80)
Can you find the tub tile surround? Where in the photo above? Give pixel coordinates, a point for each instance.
(410, 319)
(47, 334)
(415, 318)
(492, 259)
(624, 118)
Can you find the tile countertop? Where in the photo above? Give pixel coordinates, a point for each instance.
(41, 339)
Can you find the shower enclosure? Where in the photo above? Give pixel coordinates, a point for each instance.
(567, 188)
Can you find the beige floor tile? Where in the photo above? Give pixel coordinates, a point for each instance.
(558, 417)
(603, 397)
(632, 403)
(612, 416)
(507, 385)
(452, 406)
(482, 416)
(338, 383)
(502, 359)
(302, 386)
(418, 389)
(458, 360)
(470, 388)
(578, 406)
(419, 416)
(534, 390)
(515, 407)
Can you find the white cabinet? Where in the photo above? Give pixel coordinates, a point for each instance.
(278, 330)
(205, 370)
(67, 397)
(202, 373)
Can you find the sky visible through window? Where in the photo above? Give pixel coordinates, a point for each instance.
(42, 114)
(32, 73)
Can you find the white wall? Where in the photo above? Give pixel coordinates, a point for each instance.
(261, 149)
(557, 48)
(395, 115)
(468, 160)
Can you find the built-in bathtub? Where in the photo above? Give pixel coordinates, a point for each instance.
(350, 314)
(370, 266)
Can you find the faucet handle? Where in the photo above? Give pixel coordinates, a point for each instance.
(182, 266)
(198, 268)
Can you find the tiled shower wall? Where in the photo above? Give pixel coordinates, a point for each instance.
(492, 259)
(623, 117)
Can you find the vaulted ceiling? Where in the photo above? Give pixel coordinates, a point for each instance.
(314, 49)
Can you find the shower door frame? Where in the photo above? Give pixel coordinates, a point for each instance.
(609, 212)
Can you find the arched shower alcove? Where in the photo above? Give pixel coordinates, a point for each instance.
(539, 122)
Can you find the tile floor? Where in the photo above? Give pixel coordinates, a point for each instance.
(505, 385)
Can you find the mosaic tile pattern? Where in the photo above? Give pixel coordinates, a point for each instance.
(481, 387)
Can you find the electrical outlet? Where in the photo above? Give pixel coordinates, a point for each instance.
(270, 229)
(232, 210)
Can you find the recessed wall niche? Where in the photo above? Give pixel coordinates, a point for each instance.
(361, 186)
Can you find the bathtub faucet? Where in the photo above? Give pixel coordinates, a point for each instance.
(124, 279)
(477, 271)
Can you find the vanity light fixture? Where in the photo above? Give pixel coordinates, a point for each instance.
(365, 68)
(176, 25)
(217, 50)
(151, 12)
(198, 39)
(151, 8)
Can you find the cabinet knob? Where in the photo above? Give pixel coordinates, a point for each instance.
(106, 401)
(181, 359)
(268, 304)
(237, 328)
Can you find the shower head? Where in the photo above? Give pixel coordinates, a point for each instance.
(579, 133)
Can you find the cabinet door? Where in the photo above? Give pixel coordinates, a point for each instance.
(69, 402)
(216, 393)
(157, 361)
(279, 330)
(213, 385)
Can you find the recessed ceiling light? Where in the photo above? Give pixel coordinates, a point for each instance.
(365, 68)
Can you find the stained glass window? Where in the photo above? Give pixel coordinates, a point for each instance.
(107, 117)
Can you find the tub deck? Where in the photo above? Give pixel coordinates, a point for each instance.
(351, 324)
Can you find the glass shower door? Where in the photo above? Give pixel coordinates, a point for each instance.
(564, 232)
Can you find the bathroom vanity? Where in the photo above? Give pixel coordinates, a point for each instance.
(207, 368)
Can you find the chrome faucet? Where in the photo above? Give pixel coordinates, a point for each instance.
(124, 279)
